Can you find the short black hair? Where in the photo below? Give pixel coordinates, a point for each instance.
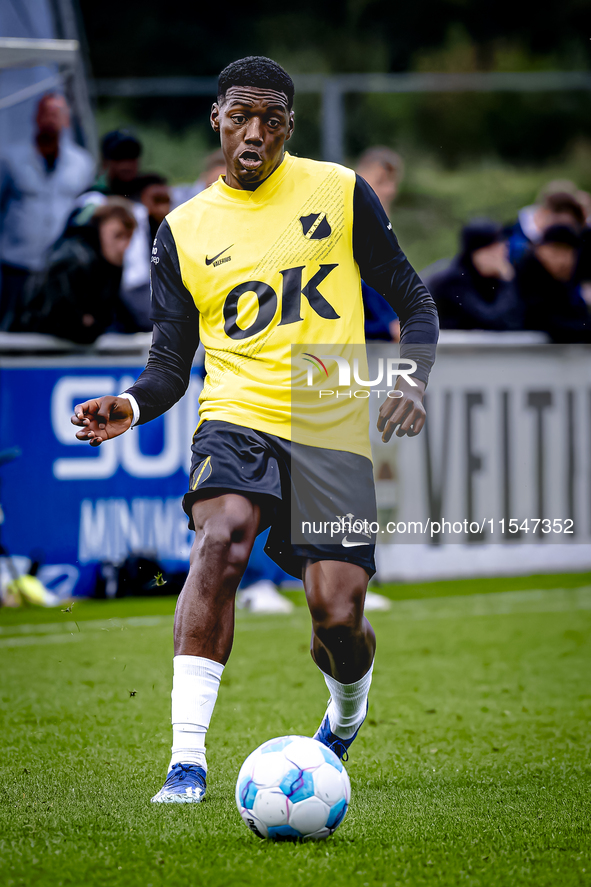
(258, 71)
(150, 178)
(120, 144)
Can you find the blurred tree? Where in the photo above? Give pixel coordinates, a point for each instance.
(152, 38)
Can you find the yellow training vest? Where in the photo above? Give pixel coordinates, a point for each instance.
(269, 269)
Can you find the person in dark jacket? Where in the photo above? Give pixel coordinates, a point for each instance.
(548, 283)
(77, 296)
(477, 290)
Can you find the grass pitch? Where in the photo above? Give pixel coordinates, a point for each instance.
(472, 769)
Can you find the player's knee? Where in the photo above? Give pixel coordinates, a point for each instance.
(338, 612)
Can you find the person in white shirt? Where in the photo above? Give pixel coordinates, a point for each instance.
(39, 184)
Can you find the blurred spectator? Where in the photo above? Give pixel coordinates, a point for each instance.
(382, 169)
(121, 151)
(77, 296)
(583, 272)
(477, 290)
(548, 285)
(555, 208)
(584, 199)
(556, 186)
(39, 183)
(213, 168)
(153, 191)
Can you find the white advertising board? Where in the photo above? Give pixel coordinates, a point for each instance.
(499, 481)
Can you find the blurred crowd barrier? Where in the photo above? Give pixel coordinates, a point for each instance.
(499, 481)
(507, 439)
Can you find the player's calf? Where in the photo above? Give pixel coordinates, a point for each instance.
(343, 647)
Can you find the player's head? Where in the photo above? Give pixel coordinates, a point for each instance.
(254, 117)
(258, 71)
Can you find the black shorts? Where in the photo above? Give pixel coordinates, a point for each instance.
(320, 504)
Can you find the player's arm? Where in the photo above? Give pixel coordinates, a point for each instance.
(174, 342)
(384, 266)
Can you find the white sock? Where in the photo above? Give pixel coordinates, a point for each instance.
(348, 704)
(195, 686)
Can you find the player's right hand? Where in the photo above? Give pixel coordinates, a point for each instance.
(102, 419)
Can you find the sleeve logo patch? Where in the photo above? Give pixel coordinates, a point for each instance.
(315, 226)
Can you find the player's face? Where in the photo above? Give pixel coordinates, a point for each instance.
(253, 125)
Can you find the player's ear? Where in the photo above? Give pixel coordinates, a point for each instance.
(290, 127)
(214, 117)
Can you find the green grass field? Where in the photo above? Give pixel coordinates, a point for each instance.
(472, 769)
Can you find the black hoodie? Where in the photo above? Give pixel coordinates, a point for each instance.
(77, 282)
(467, 301)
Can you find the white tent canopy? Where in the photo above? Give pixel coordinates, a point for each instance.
(18, 52)
(21, 52)
(40, 51)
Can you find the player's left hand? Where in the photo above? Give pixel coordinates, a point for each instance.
(406, 414)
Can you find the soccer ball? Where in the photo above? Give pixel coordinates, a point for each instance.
(293, 787)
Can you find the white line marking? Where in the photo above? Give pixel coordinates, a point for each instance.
(551, 600)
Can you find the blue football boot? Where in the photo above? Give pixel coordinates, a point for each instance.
(339, 746)
(185, 784)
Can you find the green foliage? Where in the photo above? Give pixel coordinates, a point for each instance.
(457, 128)
(149, 38)
(472, 768)
(155, 40)
(177, 155)
(435, 201)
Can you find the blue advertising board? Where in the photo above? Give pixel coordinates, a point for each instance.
(74, 506)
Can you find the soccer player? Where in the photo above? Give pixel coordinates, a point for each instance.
(269, 256)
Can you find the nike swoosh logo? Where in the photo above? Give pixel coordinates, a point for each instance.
(347, 543)
(209, 261)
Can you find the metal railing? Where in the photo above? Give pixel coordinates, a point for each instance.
(334, 88)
